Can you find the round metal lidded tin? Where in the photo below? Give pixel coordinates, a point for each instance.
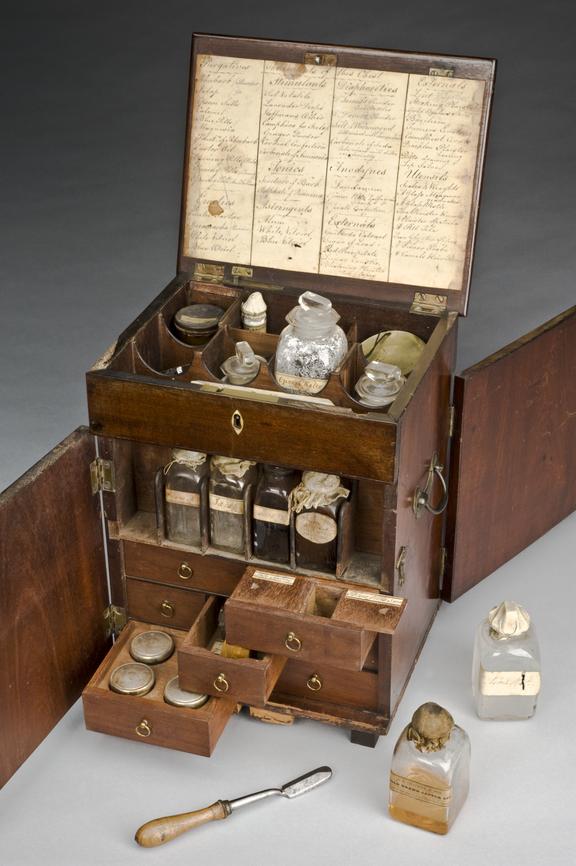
(132, 678)
(197, 323)
(151, 647)
(176, 696)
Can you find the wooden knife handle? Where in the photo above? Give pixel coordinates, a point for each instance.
(162, 830)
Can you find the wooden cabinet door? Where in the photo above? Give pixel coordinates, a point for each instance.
(513, 467)
(53, 593)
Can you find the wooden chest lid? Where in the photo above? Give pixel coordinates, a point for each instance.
(356, 172)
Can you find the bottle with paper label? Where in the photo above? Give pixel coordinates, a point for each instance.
(271, 523)
(430, 772)
(506, 673)
(229, 481)
(183, 481)
(316, 502)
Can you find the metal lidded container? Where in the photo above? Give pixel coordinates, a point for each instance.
(132, 678)
(151, 647)
(197, 323)
(176, 696)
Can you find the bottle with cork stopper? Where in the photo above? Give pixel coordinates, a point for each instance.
(506, 666)
(430, 772)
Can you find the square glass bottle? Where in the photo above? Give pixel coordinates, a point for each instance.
(429, 776)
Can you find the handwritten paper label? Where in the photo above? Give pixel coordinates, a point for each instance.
(181, 497)
(225, 503)
(272, 515)
(360, 173)
(317, 528)
(419, 791)
(509, 683)
(300, 384)
(375, 598)
(273, 578)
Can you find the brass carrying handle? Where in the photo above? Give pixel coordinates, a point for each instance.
(221, 684)
(185, 571)
(293, 643)
(422, 495)
(167, 609)
(314, 683)
(162, 830)
(143, 728)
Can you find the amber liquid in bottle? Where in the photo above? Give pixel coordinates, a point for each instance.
(317, 538)
(182, 492)
(271, 516)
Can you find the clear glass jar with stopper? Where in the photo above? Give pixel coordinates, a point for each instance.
(183, 482)
(229, 480)
(379, 384)
(506, 666)
(242, 367)
(430, 771)
(311, 346)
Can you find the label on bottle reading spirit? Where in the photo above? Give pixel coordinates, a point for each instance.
(317, 528)
(419, 791)
(300, 383)
(507, 683)
(181, 497)
(225, 503)
(271, 515)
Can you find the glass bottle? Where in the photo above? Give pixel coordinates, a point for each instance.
(271, 524)
(229, 480)
(220, 646)
(254, 312)
(311, 346)
(379, 384)
(242, 367)
(430, 771)
(183, 478)
(316, 502)
(506, 666)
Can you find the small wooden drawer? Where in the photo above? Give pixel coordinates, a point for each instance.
(149, 719)
(162, 605)
(249, 680)
(324, 622)
(183, 569)
(328, 685)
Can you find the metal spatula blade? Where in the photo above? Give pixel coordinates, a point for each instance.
(307, 782)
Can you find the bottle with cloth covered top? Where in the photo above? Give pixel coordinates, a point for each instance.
(316, 502)
(229, 480)
(183, 478)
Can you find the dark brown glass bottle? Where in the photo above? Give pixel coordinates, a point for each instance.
(317, 502)
(271, 515)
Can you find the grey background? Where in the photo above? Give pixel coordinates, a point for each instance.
(92, 121)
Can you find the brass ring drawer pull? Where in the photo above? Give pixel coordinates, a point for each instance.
(221, 684)
(185, 571)
(167, 609)
(422, 496)
(143, 729)
(293, 643)
(314, 683)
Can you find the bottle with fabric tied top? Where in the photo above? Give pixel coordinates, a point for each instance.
(506, 666)
(183, 480)
(271, 523)
(229, 479)
(311, 346)
(430, 771)
(316, 502)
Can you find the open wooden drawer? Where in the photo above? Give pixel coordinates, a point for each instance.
(249, 680)
(148, 718)
(309, 619)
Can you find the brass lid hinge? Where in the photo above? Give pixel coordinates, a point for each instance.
(114, 620)
(429, 305)
(102, 476)
(205, 272)
(451, 421)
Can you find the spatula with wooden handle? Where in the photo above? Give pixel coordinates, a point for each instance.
(162, 830)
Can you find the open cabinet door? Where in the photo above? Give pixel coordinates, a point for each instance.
(513, 466)
(53, 593)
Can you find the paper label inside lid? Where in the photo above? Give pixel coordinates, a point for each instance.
(359, 173)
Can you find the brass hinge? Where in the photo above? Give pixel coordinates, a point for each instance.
(102, 476)
(442, 71)
(208, 273)
(401, 566)
(429, 305)
(114, 620)
(451, 421)
(320, 59)
(443, 557)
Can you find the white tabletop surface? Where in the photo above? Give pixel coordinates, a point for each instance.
(78, 800)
